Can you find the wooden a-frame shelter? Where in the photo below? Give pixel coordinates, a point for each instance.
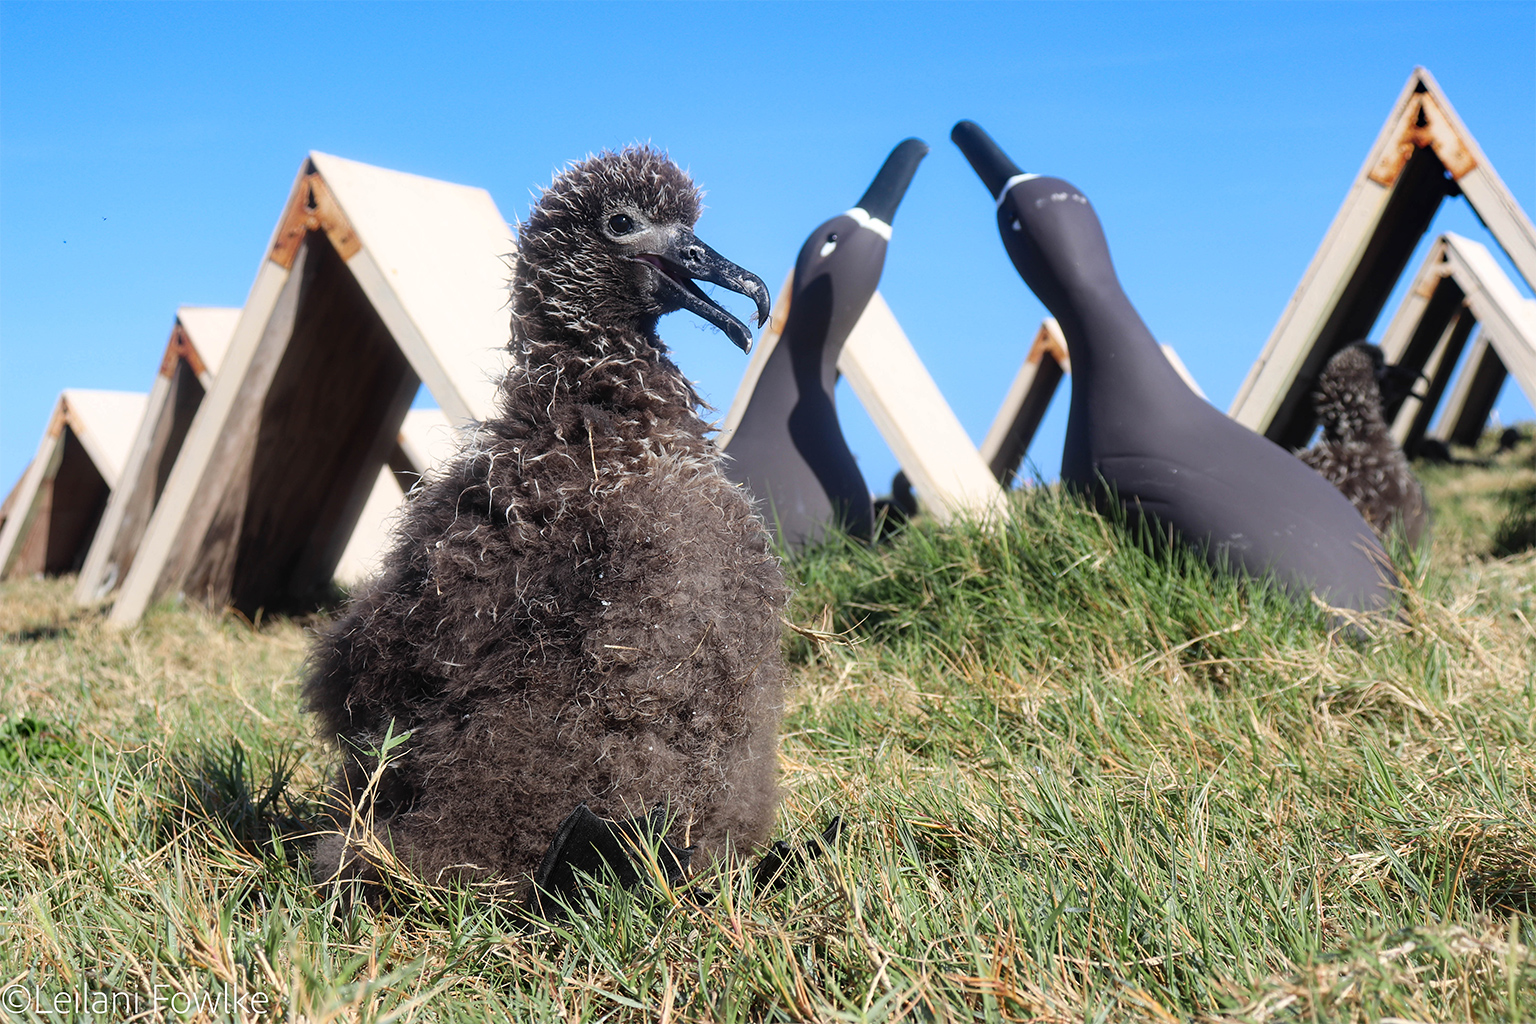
(199, 338)
(1459, 287)
(52, 513)
(375, 282)
(1423, 155)
(188, 368)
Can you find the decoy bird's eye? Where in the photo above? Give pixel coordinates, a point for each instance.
(621, 224)
(829, 244)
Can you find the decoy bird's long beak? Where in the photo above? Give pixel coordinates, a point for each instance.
(890, 185)
(987, 159)
(687, 260)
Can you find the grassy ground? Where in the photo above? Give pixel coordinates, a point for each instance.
(1080, 783)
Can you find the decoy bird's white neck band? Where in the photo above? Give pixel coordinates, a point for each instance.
(1002, 193)
(874, 224)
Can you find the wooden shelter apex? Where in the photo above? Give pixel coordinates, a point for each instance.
(1423, 155)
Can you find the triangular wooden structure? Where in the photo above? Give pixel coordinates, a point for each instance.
(199, 339)
(374, 282)
(1467, 407)
(1423, 155)
(53, 511)
(1022, 409)
(899, 395)
(1459, 287)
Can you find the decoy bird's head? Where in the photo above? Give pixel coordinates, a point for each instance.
(839, 265)
(1049, 228)
(609, 248)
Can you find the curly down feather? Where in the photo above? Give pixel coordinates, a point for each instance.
(581, 607)
(1356, 452)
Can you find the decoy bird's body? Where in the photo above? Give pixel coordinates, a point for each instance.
(581, 608)
(789, 450)
(1136, 433)
(1356, 452)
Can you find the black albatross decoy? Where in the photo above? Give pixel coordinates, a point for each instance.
(1356, 452)
(578, 622)
(1136, 433)
(788, 450)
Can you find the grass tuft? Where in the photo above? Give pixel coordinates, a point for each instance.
(1081, 778)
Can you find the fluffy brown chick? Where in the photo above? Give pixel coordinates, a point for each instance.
(1356, 452)
(581, 608)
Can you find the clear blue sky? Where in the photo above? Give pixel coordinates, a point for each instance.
(146, 150)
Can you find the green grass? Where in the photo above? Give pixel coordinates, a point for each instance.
(1079, 782)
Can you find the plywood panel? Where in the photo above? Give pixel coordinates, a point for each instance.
(1458, 287)
(183, 393)
(77, 496)
(363, 557)
(25, 500)
(1412, 420)
(57, 506)
(1013, 428)
(934, 450)
(435, 261)
(1468, 406)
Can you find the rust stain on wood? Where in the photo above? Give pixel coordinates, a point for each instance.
(1424, 124)
(313, 207)
(1048, 343)
(180, 348)
(60, 419)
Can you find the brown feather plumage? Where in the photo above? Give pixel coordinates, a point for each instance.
(581, 607)
(1356, 452)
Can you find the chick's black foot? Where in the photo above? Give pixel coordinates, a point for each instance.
(586, 844)
(782, 859)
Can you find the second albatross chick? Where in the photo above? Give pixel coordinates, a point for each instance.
(1356, 452)
(579, 620)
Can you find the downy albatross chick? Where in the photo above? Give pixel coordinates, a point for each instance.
(582, 614)
(1356, 452)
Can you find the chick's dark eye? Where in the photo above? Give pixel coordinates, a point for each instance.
(621, 224)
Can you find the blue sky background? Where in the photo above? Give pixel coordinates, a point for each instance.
(146, 150)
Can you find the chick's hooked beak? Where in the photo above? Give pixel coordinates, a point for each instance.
(684, 260)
